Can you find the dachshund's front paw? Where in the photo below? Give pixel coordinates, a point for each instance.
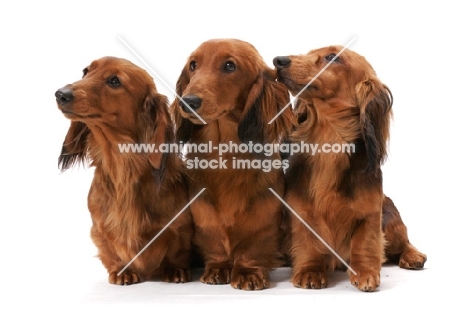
(216, 276)
(127, 277)
(310, 280)
(250, 279)
(176, 275)
(366, 280)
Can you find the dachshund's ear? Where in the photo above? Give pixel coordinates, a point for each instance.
(266, 99)
(157, 127)
(301, 111)
(305, 116)
(375, 103)
(74, 148)
(183, 126)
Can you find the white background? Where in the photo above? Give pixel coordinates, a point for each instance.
(418, 49)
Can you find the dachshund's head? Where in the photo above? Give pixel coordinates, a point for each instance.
(343, 89)
(117, 100)
(228, 78)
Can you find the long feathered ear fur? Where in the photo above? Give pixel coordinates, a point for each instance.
(265, 100)
(183, 126)
(375, 102)
(74, 148)
(306, 117)
(157, 127)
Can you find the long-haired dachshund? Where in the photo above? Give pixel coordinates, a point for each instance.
(339, 194)
(237, 219)
(133, 195)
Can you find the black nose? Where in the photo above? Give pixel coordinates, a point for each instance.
(193, 101)
(64, 96)
(281, 62)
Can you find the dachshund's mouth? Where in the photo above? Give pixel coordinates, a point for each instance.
(192, 117)
(69, 114)
(289, 82)
(75, 116)
(195, 120)
(204, 118)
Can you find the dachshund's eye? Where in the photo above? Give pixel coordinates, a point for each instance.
(229, 67)
(114, 81)
(332, 57)
(85, 71)
(193, 65)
